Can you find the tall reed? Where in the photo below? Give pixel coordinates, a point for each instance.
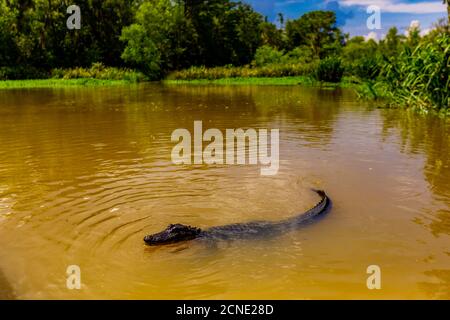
(420, 77)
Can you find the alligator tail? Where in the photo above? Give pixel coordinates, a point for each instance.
(319, 192)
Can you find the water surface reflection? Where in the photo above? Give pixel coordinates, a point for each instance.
(85, 173)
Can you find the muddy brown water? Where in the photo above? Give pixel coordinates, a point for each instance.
(85, 173)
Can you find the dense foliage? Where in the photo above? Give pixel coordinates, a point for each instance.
(196, 39)
(420, 77)
(330, 69)
(34, 33)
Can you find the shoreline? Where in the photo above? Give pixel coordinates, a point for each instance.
(60, 83)
(360, 88)
(259, 81)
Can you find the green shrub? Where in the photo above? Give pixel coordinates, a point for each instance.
(330, 70)
(365, 68)
(99, 71)
(266, 55)
(273, 70)
(22, 72)
(301, 54)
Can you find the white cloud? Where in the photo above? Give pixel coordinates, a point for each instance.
(414, 25)
(371, 36)
(397, 6)
(424, 32)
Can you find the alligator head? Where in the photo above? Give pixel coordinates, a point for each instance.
(173, 233)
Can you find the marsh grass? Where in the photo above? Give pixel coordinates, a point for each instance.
(97, 75)
(347, 82)
(420, 77)
(269, 71)
(100, 72)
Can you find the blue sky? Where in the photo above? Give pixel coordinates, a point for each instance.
(352, 15)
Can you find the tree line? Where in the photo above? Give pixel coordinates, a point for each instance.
(155, 36)
(217, 38)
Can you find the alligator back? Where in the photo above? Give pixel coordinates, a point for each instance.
(257, 229)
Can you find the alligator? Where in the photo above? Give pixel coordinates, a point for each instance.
(178, 232)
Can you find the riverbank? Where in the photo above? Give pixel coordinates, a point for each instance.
(59, 83)
(281, 81)
(268, 81)
(96, 75)
(87, 82)
(366, 90)
(305, 81)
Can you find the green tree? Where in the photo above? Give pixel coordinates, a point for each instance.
(228, 32)
(266, 55)
(357, 48)
(37, 30)
(361, 58)
(8, 48)
(141, 50)
(271, 35)
(316, 29)
(281, 19)
(391, 45)
(244, 32)
(153, 40)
